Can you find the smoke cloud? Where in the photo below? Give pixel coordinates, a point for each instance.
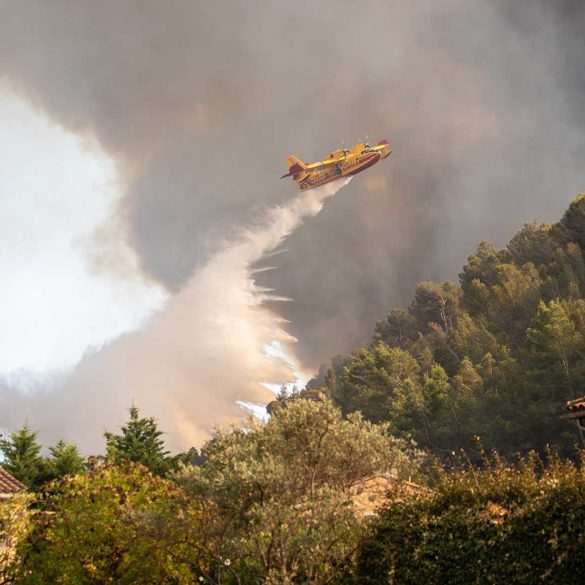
(193, 361)
(199, 103)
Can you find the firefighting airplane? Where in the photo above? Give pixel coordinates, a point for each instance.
(342, 162)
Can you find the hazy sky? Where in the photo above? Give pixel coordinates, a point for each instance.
(197, 104)
(54, 194)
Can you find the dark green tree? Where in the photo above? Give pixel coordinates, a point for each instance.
(140, 441)
(555, 352)
(66, 460)
(22, 457)
(436, 303)
(572, 226)
(513, 301)
(399, 329)
(479, 274)
(382, 382)
(532, 243)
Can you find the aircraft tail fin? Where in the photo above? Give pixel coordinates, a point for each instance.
(295, 166)
(292, 160)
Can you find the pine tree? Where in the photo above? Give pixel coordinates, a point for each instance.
(553, 348)
(66, 460)
(22, 457)
(140, 441)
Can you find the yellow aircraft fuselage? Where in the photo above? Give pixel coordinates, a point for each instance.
(340, 163)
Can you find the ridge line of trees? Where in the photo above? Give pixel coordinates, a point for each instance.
(495, 356)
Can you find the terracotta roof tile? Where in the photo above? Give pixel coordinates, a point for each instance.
(9, 484)
(371, 494)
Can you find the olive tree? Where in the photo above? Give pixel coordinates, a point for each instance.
(281, 492)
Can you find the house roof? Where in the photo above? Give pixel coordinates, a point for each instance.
(372, 493)
(8, 484)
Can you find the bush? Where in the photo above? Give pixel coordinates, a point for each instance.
(115, 524)
(497, 524)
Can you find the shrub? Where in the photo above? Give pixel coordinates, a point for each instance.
(499, 523)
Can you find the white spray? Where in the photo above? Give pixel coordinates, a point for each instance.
(191, 363)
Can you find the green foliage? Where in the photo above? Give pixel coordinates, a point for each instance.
(15, 526)
(512, 301)
(554, 351)
(497, 356)
(65, 460)
(22, 457)
(399, 329)
(497, 523)
(376, 379)
(436, 304)
(572, 226)
(532, 243)
(140, 441)
(279, 492)
(479, 275)
(115, 524)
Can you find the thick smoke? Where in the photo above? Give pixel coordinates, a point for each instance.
(200, 102)
(193, 361)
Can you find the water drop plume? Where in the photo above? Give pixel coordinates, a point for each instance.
(190, 364)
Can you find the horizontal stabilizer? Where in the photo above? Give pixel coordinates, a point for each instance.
(295, 166)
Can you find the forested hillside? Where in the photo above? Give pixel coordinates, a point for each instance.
(494, 357)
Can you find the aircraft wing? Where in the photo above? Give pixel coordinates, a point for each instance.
(324, 163)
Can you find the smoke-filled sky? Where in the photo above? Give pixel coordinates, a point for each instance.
(197, 104)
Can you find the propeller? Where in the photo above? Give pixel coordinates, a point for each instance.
(344, 150)
(365, 142)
